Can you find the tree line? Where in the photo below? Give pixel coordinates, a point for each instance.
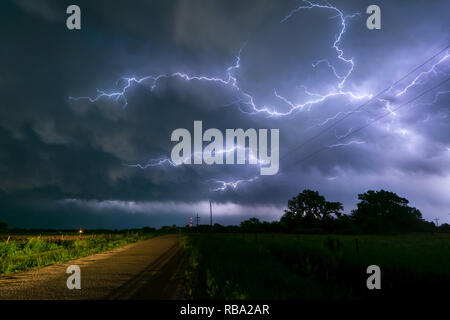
(377, 212)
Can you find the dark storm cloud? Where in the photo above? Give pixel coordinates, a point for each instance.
(54, 148)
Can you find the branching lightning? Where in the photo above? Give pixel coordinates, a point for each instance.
(340, 52)
(155, 163)
(244, 98)
(335, 117)
(420, 77)
(224, 185)
(252, 159)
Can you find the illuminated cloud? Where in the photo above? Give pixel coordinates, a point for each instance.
(299, 67)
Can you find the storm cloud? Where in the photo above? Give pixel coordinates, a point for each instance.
(86, 116)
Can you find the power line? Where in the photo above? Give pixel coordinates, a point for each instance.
(371, 122)
(197, 219)
(365, 104)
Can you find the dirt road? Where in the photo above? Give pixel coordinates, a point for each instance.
(149, 269)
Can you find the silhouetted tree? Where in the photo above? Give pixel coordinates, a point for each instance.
(345, 225)
(274, 226)
(169, 229)
(383, 211)
(308, 210)
(251, 225)
(445, 227)
(218, 228)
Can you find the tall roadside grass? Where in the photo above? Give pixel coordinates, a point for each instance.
(230, 268)
(36, 252)
(264, 266)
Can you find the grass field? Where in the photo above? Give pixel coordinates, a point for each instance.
(279, 266)
(22, 252)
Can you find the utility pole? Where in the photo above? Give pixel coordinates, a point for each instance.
(210, 212)
(197, 219)
(437, 222)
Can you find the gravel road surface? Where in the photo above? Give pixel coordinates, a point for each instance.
(150, 269)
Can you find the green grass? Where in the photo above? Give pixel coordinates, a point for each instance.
(264, 266)
(35, 252)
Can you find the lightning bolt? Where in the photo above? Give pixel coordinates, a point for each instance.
(252, 159)
(155, 163)
(335, 116)
(419, 78)
(339, 51)
(388, 107)
(344, 135)
(340, 55)
(244, 98)
(128, 83)
(346, 143)
(436, 97)
(224, 185)
(231, 80)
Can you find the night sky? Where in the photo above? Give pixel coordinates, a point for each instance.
(85, 131)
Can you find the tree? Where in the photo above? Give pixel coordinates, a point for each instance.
(310, 209)
(445, 227)
(252, 225)
(384, 211)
